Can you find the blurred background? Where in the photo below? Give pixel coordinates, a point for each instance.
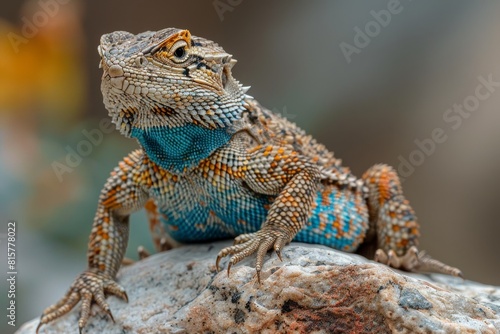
(370, 79)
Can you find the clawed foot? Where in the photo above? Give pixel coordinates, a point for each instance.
(415, 261)
(247, 244)
(89, 287)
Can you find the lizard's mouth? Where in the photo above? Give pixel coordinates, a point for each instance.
(103, 64)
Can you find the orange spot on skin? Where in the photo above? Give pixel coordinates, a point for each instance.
(181, 35)
(322, 225)
(268, 150)
(110, 202)
(254, 149)
(287, 198)
(383, 190)
(128, 161)
(153, 215)
(336, 225)
(325, 196)
(403, 243)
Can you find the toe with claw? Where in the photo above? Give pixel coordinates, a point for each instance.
(415, 261)
(248, 244)
(89, 287)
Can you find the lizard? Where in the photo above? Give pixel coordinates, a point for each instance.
(217, 164)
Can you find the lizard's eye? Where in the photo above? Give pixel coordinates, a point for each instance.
(180, 52)
(174, 50)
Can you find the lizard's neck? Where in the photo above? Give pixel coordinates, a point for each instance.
(181, 148)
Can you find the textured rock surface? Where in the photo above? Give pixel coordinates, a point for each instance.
(315, 290)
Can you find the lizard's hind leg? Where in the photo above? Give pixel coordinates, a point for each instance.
(397, 229)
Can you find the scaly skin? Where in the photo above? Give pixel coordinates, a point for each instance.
(215, 164)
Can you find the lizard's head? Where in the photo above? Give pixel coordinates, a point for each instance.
(168, 78)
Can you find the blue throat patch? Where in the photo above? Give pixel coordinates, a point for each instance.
(180, 147)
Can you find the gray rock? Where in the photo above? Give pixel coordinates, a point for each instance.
(314, 290)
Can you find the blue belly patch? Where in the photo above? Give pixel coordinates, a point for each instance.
(341, 222)
(216, 215)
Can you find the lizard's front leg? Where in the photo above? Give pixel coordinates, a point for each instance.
(275, 170)
(121, 195)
